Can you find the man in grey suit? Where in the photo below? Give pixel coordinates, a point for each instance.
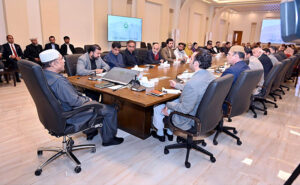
(91, 62)
(188, 102)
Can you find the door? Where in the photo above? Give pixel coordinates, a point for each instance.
(237, 37)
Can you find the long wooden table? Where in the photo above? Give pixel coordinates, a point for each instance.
(136, 108)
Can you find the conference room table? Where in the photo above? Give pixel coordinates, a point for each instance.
(135, 109)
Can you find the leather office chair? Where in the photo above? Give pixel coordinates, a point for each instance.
(163, 44)
(143, 45)
(278, 79)
(279, 58)
(79, 50)
(86, 48)
(149, 46)
(266, 88)
(208, 115)
(238, 100)
(103, 54)
(54, 118)
(288, 74)
(71, 64)
(142, 55)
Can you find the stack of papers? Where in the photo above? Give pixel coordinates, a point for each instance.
(137, 68)
(171, 91)
(164, 65)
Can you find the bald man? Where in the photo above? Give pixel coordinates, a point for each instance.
(264, 59)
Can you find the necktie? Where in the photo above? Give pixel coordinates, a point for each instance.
(14, 51)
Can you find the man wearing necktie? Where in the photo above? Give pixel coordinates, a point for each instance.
(52, 44)
(12, 53)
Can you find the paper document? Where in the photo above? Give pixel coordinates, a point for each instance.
(171, 91)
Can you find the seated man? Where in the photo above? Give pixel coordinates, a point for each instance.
(192, 93)
(53, 64)
(272, 57)
(167, 52)
(264, 59)
(52, 44)
(33, 50)
(217, 47)
(12, 53)
(235, 58)
(91, 63)
(225, 48)
(154, 56)
(129, 56)
(114, 58)
(255, 64)
(67, 48)
(180, 53)
(209, 47)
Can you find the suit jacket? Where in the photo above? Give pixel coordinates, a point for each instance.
(150, 58)
(236, 70)
(48, 46)
(7, 51)
(63, 49)
(113, 60)
(190, 98)
(168, 54)
(84, 65)
(33, 51)
(267, 64)
(130, 59)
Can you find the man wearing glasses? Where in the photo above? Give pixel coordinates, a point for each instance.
(129, 56)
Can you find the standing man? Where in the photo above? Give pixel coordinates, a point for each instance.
(154, 56)
(180, 53)
(129, 56)
(67, 48)
(52, 44)
(53, 64)
(91, 63)
(33, 50)
(12, 53)
(167, 52)
(114, 58)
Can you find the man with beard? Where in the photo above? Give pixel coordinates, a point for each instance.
(33, 50)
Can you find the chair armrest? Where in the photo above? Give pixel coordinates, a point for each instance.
(197, 121)
(84, 107)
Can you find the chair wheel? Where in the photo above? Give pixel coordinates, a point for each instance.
(38, 172)
(255, 116)
(93, 150)
(288, 89)
(280, 97)
(166, 151)
(234, 131)
(178, 140)
(187, 164)
(275, 100)
(71, 142)
(239, 142)
(229, 120)
(215, 142)
(276, 106)
(77, 169)
(212, 159)
(203, 143)
(39, 152)
(265, 113)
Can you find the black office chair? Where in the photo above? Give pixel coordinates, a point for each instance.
(278, 80)
(71, 64)
(289, 73)
(265, 90)
(208, 115)
(103, 54)
(149, 46)
(143, 45)
(142, 55)
(54, 118)
(238, 100)
(163, 44)
(79, 50)
(86, 48)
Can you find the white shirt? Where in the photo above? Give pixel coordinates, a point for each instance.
(180, 54)
(69, 52)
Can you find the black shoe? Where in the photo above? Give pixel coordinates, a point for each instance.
(113, 141)
(170, 137)
(91, 135)
(160, 138)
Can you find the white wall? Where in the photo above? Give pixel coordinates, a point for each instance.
(34, 20)
(152, 22)
(76, 19)
(3, 24)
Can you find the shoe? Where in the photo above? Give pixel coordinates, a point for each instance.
(114, 141)
(91, 135)
(170, 137)
(160, 138)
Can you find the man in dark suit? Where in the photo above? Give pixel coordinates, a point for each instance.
(129, 56)
(154, 56)
(52, 44)
(33, 50)
(264, 59)
(12, 53)
(226, 48)
(209, 47)
(67, 48)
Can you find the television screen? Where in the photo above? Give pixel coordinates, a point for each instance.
(124, 28)
(271, 31)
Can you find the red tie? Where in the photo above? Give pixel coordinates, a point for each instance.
(14, 51)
